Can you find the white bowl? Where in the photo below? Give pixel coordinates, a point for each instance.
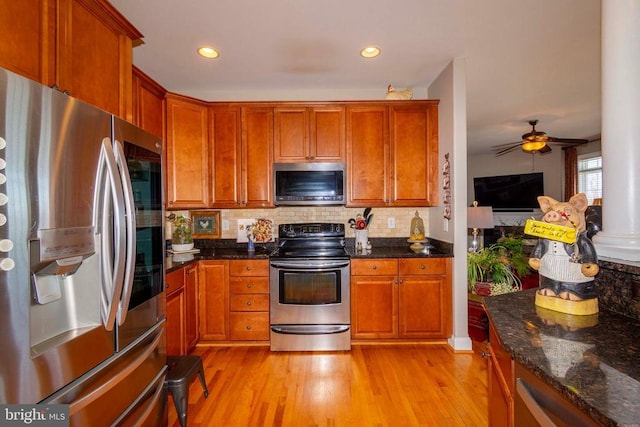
(183, 257)
(182, 248)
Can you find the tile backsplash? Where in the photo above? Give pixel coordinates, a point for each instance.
(340, 214)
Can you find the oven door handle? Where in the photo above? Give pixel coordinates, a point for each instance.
(315, 265)
(309, 329)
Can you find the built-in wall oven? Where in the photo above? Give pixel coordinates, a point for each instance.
(310, 289)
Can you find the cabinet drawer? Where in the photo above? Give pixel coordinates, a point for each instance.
(370, 267)
(249, 326)
(249, 302)
(249, 268)
(174, 281)
(423, 266)
(248, 285)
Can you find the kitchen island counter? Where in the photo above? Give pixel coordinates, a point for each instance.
(593, 361)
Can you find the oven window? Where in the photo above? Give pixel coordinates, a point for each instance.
(310, 288)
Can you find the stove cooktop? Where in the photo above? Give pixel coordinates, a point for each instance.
(311, 240)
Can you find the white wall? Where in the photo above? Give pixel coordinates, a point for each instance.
(450, 88)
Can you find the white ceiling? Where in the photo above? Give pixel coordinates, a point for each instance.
(525, 59)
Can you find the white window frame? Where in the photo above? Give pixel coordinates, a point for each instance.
(581, 158)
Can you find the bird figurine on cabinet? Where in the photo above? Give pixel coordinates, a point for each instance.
(395, 94)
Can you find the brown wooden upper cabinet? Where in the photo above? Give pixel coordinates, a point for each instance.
(305, 133)
(148, 103)
(225, 136)
(257, 157)
(392, 154)
(82, 47)
(219, 155)
(187, 153)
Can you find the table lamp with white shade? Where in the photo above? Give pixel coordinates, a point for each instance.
(478, 217)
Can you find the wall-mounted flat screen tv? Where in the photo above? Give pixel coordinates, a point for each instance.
(509, 192)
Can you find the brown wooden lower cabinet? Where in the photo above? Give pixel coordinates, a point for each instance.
(501, 383)
(222, 300)
(213, 288)
(249, 300)
(175, 308)
(234, 300)
(407, 298)
(191, 320)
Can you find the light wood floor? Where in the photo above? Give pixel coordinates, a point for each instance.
(372, 385)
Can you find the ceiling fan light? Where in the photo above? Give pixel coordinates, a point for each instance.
(532, 146)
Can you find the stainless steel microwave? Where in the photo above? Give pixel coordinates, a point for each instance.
(299, 184)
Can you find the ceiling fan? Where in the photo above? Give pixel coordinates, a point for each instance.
(536, 142)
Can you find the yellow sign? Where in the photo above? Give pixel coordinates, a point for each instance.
(550, 231)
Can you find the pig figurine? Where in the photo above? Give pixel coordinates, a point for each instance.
(566, 270)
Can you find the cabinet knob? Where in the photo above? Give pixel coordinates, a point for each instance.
(248, 268)
(249, 303)
(248, 327)
(401, 281)
(485, 354)
(248, 285)
(422, 266)
(375, 267)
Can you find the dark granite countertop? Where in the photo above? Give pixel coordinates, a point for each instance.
(229, 249)
(594, 361)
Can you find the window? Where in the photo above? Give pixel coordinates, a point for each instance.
(590, 177)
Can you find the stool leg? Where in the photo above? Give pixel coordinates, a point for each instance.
(202, 381)
(181, 400)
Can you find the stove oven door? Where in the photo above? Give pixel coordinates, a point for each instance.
(310, 304)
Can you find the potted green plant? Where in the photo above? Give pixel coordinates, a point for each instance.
(181, 239)
(496, 269)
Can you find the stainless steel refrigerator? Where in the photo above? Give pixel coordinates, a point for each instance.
(81, 259)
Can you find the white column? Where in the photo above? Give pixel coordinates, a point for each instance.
(620, 235)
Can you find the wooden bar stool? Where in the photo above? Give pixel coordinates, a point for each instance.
(182, 370)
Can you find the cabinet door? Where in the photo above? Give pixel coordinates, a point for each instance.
(421, 307)
(257, 155)
(191, 321)
(309, 133)
(374, 307)
(174, 325)
(94, 54)
(425, 297)
(501, 382)
(187, 154)
(291, 134)
(367, 154)
(148, 103)
(213, 287)
(327, 134)
(499, 397)
(28, 38)
(174, 287)
(226, 167)
(414, 155)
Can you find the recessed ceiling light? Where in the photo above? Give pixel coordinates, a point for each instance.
(208, 52)
(370, 51)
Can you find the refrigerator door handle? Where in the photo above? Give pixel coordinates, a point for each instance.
(130, 215)
(110, 201)
(92, 396)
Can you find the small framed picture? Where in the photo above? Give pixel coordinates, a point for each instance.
(206, 224)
